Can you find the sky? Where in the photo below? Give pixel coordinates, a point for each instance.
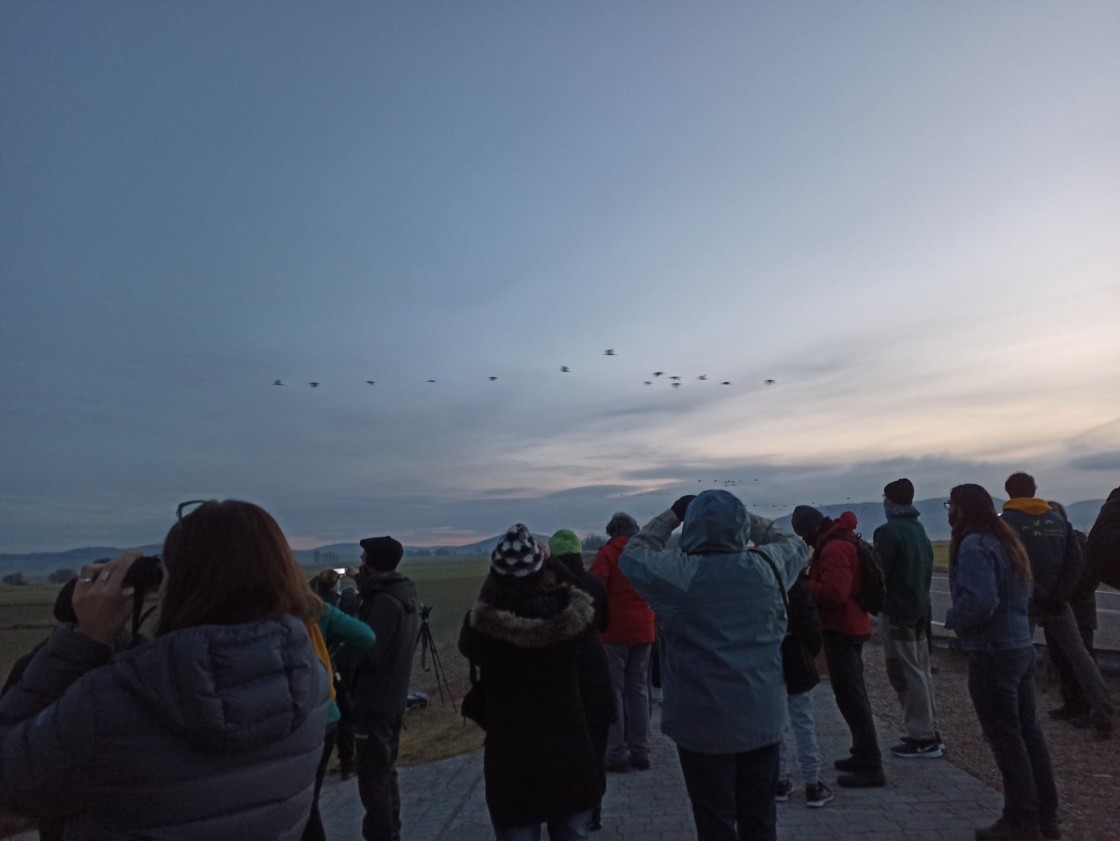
(906, 215)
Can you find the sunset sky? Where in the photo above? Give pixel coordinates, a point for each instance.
(905, 214)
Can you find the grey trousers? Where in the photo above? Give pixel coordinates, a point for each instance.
(629, 736)
(1062, 630)
(906, 651)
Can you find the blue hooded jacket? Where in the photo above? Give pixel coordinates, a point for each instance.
(721, 619)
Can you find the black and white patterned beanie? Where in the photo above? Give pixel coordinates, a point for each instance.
(517, 553)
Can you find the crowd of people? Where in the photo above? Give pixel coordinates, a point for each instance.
(222, 724)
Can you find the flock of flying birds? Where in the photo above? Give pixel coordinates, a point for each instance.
(674, 381)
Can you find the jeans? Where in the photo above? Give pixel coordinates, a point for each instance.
(804, 728)
(377, 741)
(906, 652)
(1001, 684)
(572, 828)
(845, 668)
(629, 736)
(732, 794)
(1062, 630)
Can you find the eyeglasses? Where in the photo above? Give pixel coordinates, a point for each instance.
(948, 504)
(190, 507)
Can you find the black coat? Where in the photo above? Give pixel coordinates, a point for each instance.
(539, 763)
(1103, 547)
(595, 689)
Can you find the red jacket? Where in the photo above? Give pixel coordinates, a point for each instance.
(631, 618)
(834, 579)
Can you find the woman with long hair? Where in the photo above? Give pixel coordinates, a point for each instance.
(525, 634)
(212, 730)
(990, 584)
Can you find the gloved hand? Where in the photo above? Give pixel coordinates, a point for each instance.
(681, 505)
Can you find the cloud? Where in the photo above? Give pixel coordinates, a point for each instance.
(1097, 461)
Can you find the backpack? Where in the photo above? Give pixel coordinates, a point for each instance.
(873, 584)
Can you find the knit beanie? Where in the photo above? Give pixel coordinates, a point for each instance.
(517, 553)
(565, 542)
(622, 523)
(806, 521)
(382, 553)
(900, 492)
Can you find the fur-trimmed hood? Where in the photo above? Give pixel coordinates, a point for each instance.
(574, 614)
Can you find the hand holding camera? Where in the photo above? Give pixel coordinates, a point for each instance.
(99, 602)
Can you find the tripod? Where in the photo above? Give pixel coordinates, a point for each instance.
(427, 645)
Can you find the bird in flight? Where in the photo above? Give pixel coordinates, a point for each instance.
(431, 381)
(769, 382)
(313, 385)
(492, 379)
(726, 382)
(676, 385)
(702, 377)
(278, 382)
(371, 382)
(609, 352)
(565, 369)
(675, 379)
(658, 373)
(647, 382)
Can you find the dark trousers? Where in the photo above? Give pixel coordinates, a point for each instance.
(1001, 684)
(314, 830)
(599, 734)
(1073, 696)
(377, 741)
(732, 794)
(345, 728)
(844, 655)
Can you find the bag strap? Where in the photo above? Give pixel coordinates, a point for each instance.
(778, 578)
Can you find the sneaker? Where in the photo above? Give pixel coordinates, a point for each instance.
(782, 791)
(1002, 831)
(639, 763)
(918, 748)
(816, 794)
(873, 778)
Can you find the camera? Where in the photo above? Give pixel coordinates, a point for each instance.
(425, 611)
(145, 574)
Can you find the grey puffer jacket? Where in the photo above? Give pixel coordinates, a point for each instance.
(212, 733)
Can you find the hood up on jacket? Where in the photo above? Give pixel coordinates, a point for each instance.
(714, 524)
(235, 687)
(574, 615)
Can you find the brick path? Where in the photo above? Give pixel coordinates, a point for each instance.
(925, 799)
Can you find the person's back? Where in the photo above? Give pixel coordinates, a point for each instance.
(1102, 549)
(722, 620)
(1044, 534)
(212, 730)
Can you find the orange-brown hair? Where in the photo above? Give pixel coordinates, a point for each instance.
(228, 563)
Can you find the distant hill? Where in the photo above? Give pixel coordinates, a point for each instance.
(870, 515)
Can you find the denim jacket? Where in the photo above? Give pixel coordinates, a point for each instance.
(989, 611)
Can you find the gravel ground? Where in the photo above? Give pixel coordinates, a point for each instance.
(1086, 771)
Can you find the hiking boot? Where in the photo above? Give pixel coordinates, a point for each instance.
(1003, 831)
(782, 790)
(1050, 831)
(1064, 713)
(871, 778)
(639, 763)
(855, 763)
(816, 794)
(618, 766)
(918, 748)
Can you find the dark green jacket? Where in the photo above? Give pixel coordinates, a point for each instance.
(907, 558)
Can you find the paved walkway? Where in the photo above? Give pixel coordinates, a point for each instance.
(925, 799)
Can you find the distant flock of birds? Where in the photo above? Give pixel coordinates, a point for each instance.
(674, 381)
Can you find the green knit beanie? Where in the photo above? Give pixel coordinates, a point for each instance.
(565, 542)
